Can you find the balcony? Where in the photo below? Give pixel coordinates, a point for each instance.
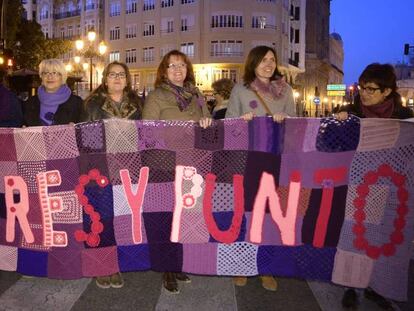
(226, 54)
(67, 14)
(93, 6)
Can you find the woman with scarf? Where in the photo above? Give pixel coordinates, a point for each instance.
(114, 98)
(377, 98)
(175, 97)
(263, 92)
(54, 102)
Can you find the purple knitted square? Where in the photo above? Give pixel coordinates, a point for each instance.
(150, 135)
(266, 135)
(69, 173)
(123, 230)
(130, 161)
(270, 230)
(17, 234)
(100, 261)
(166, 256)
(200, 258)
(158, 226)
(70, 230)
(296, 131)
(200, 159)
(60, 141)
(211, 138)
(90, 137)
(236, 134)
(310, 162)
(161, 164)
(299, 261)
(91, 161)
(64, 263)
(159, 197)
(134, 257)
(7, 145)
(406, 135)
(257, 163)
(226, 164)
(32, 262)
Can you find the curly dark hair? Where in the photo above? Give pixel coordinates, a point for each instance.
(223, 87)
(253, 60)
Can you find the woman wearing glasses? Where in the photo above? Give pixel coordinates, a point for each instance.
(114, 98)
(176, 98)
(54, 102)
(377, 98)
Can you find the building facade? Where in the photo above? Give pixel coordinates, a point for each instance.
(217, 35)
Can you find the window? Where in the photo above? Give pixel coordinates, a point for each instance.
(187, 1)
(131, 6)
(297, 35)
(44, 12)
(130, 56)
(187, 22)
(114, 56)
(188, 49)
(62, 32)
(149, 5)
(90, 5)
(148, 54)
(225, 73)
(115, 8)
(131, 31)
(220, 21)
(115, 33)
(70, 31)
(226, 48)
(149, 29)
(167, 25)
(167, 3)
(184, 24)
(263, 21)
(165, 49)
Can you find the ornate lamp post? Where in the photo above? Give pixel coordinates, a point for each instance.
(89, 53)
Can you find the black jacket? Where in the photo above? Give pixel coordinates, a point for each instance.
(10, 109)
(69, 111)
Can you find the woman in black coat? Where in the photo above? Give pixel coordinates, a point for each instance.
(54, 102)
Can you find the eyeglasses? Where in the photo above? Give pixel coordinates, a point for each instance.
(52, 74)
(369, 90)
(114, 75)
(177, 66)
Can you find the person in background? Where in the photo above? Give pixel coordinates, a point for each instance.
(221, 91)
(377, 98)
(10, 106)
(175, 97)
(54, 102)
(114, 98)
(263, 92)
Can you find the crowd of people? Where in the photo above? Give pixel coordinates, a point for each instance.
(263, 92)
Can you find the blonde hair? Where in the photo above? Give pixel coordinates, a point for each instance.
(53, 64)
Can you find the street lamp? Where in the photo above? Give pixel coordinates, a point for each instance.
(90, 53)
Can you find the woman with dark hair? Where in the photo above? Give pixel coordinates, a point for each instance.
(221, 91)
(377, 98)
(114, 98)
(175, 97)
(264, 91)
(54, 102)
(377, 95)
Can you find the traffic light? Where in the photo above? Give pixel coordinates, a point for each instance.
(406, 48)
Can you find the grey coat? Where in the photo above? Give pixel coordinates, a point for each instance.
(244, 100)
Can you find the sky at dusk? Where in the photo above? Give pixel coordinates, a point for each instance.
(372, 31)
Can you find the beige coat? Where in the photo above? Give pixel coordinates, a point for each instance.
(161, 104)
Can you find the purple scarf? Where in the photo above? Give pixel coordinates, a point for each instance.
(184, 95)
(383, 110)
(49, 102)
(272, 91)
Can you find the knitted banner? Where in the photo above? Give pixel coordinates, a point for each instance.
(308, 198)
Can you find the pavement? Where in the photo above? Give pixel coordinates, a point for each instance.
(143, 291)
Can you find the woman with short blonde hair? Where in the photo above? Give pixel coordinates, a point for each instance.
(54, 102)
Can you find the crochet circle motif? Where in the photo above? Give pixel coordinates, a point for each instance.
(92, 238)
(397, 236)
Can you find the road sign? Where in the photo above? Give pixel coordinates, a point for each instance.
(336, 93)
(316, 100)
(336, 87)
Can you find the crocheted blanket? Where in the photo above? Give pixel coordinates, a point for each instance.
(308, 198)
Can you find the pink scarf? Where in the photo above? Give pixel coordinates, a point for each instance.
(274, 90)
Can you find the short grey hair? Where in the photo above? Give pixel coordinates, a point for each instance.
(53, 64)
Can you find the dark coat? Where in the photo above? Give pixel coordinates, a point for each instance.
(97, 107)
(10, 109)
(400, 112)
(67, 112)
